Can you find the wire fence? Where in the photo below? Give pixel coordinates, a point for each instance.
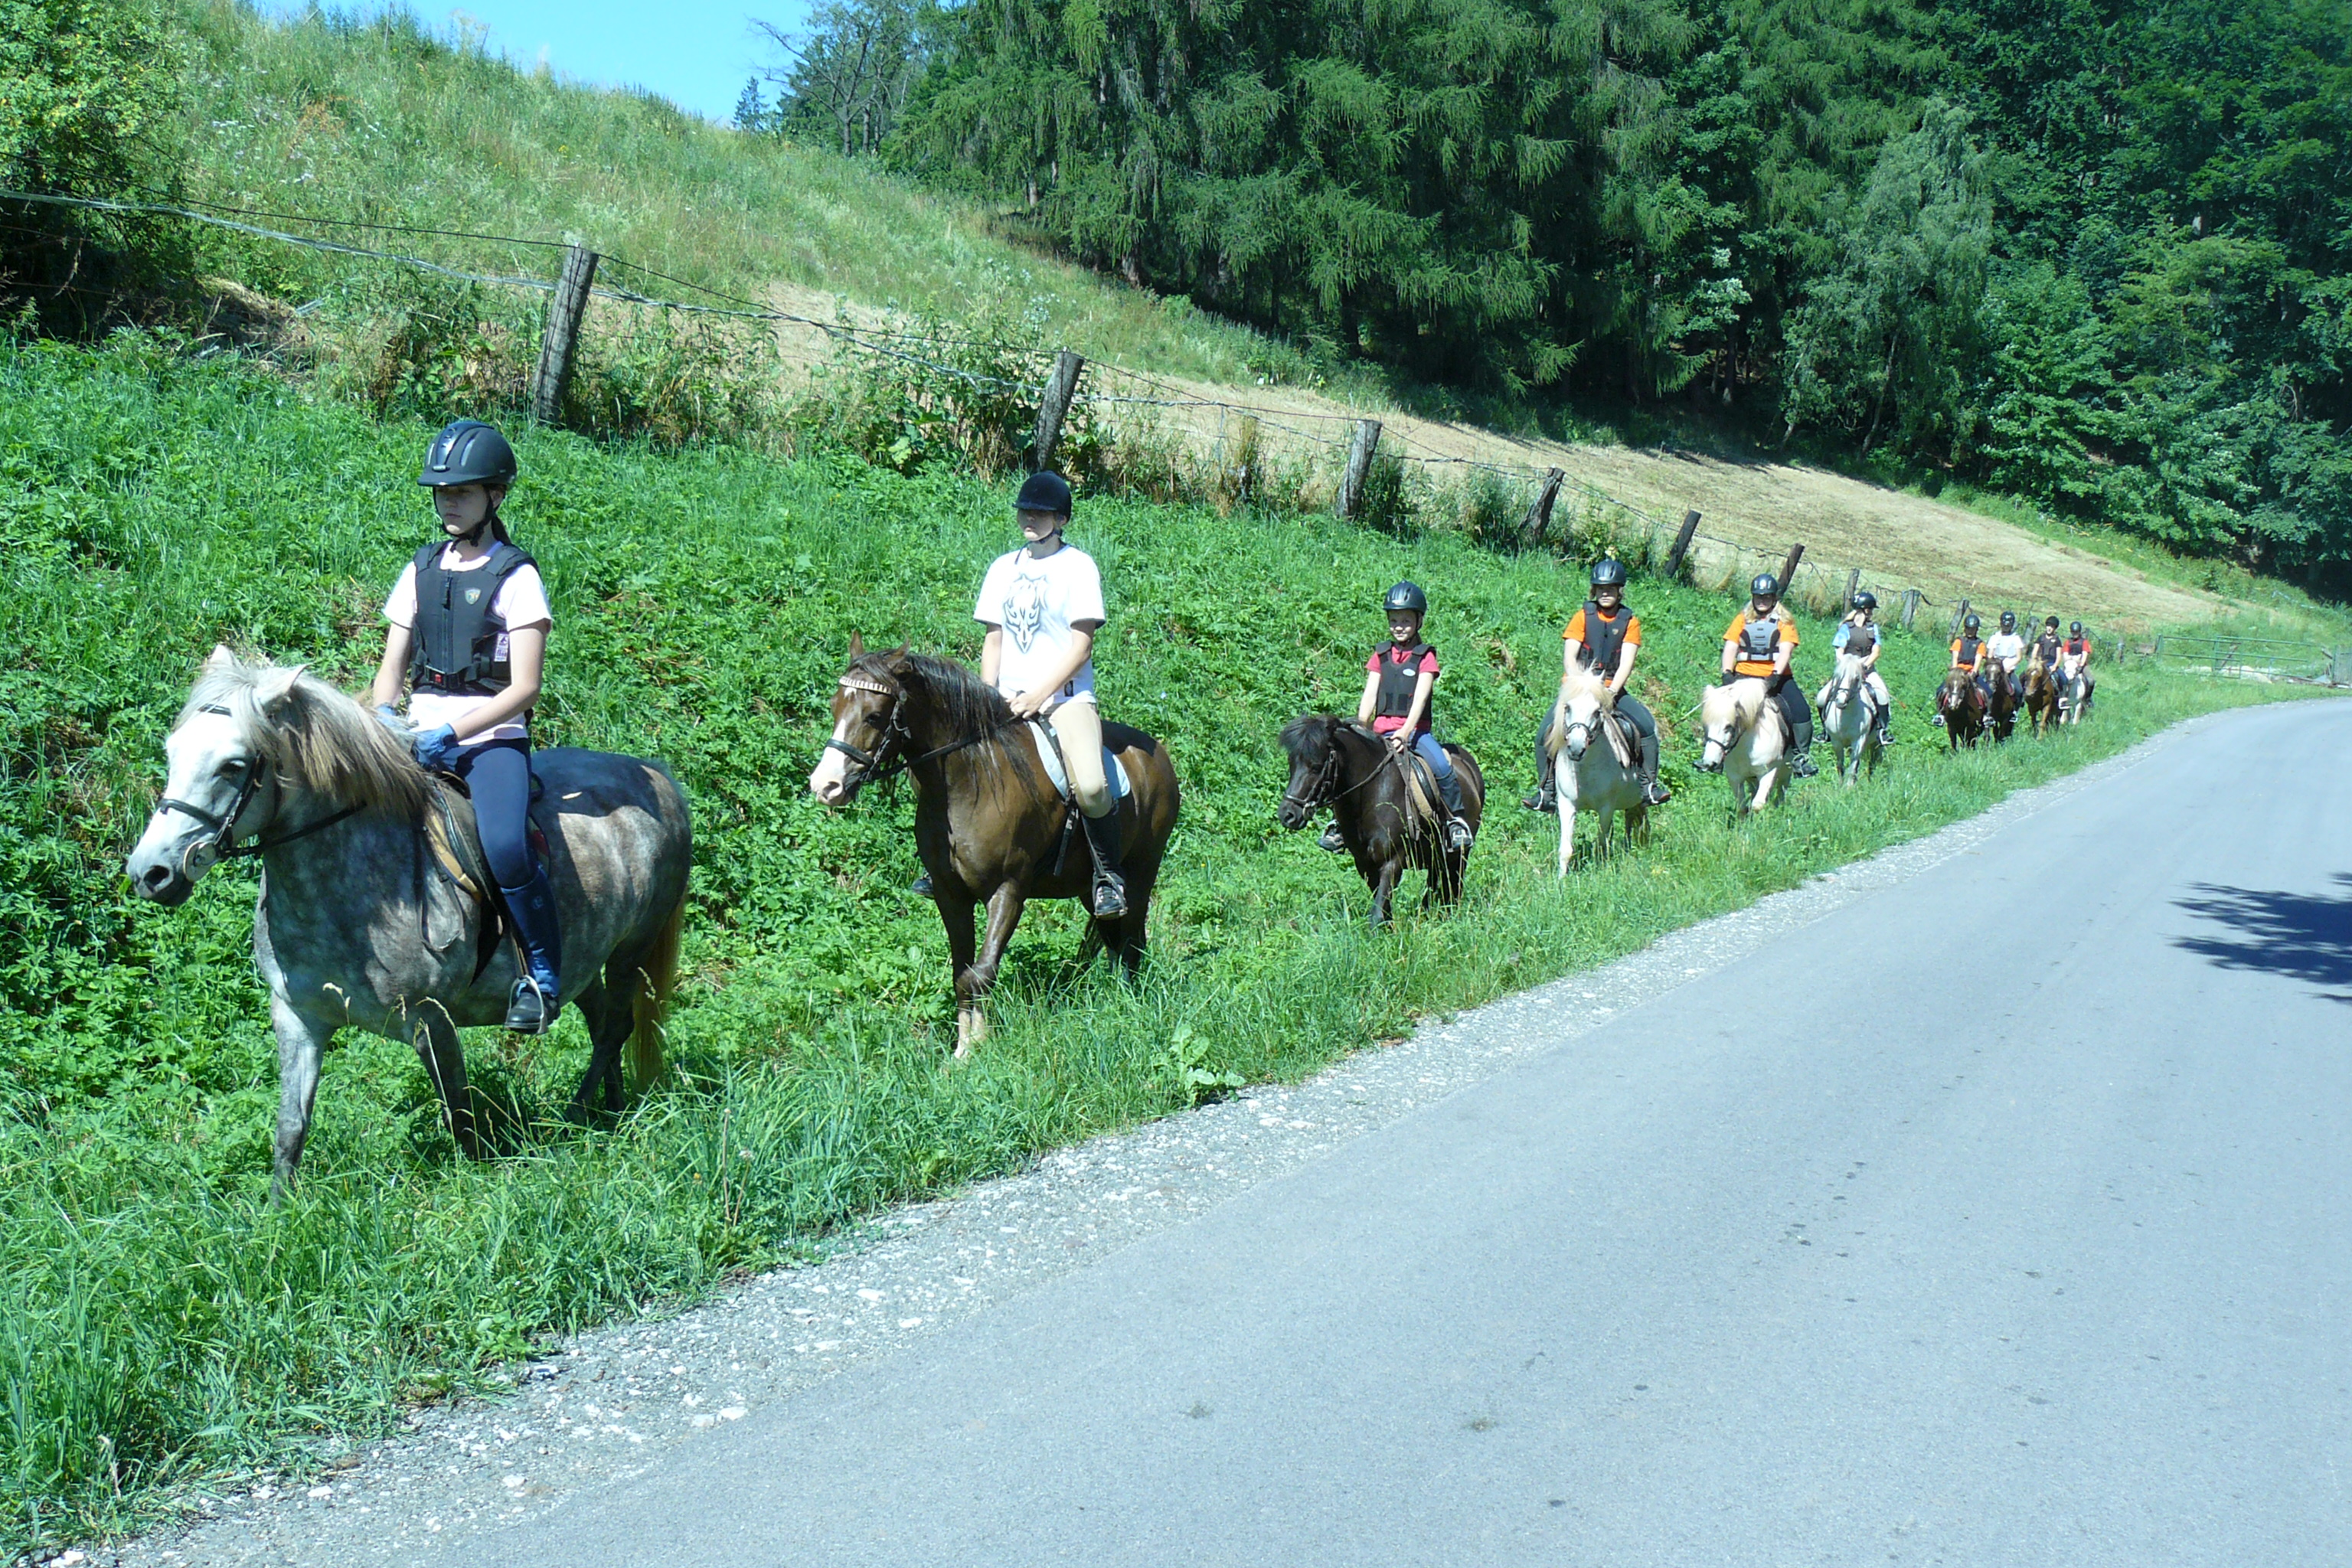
(1596, 516)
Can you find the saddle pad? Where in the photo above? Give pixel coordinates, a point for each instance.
(1050, 751)
(1623, 740)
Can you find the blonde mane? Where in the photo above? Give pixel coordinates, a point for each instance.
(316, 738)
(1741, 700)
(1581, 682)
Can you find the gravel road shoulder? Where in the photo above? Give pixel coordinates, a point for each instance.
(612, 1400)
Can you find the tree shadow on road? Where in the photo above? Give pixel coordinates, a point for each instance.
(2304, 936)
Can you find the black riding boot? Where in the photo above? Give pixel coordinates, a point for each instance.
(1110, 889)
(538, 993)
(1545, 794)
(1653, 792)
(1800, 714)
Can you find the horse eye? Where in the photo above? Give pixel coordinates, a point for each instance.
(234, 765)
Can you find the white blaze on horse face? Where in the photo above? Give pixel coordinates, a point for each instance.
(829, 780)
(196, 752)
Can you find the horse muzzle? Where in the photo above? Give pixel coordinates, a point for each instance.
(1291, 814)
(159, 881)
(1710, 761)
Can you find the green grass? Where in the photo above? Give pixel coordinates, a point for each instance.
(163, 1323)
(381, 120)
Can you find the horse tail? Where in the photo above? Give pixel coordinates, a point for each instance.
(657, 976)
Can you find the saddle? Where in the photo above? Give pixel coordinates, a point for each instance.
(1058, 771)
(455, 838)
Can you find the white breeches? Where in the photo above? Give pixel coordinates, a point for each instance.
(1079, 727)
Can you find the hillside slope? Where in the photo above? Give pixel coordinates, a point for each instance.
(377, 121)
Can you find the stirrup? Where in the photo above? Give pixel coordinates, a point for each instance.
(1655, 794)
(527, 1009)
(1110, 901)
(922, 886)
(1802, 766)
(1539, 799)
(1458, 833)
(1333, 840)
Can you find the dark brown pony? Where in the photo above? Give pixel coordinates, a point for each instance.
(2000, 717)
(989, 824)
(1337, 762)
(2041, 695)
(1962, 705)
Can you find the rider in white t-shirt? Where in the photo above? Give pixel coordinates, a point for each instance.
(1042, 605)
(2007, 649)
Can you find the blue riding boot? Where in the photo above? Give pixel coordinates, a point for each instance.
(538, 993)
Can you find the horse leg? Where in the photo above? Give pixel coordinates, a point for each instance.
(300, 1042)
(1130, 934)
(955, 914)
(435, 1039)
(1567, 825)
(1005, 907)
(1383, 885)
(608, 1031)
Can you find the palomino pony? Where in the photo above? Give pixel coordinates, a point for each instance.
(1847, 722)
(2042, 695)
(1338, 762)
(1745, 742)
(359, 924)
(1588, 768)
(989, 827)
(1961, 702)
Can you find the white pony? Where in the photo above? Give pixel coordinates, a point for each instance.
(1846, 719)
(1744, 741)
(1586, 768)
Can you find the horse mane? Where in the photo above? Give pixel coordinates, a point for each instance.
(315, 737)
(1742, 698)
(1312, 735)
(962, 702)
(1581, 681)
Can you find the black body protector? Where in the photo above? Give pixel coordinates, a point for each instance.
(1969, 648)
(1604, 639)
(1399, 680)
(1861, 640)
(2046, 645)
(454, 639)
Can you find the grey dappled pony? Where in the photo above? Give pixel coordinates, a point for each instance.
(358, 924)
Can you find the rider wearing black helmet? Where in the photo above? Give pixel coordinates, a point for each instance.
(468, 644)
(1604, 636)
(1968, 653)
(2074, 665)
(2007, 651)
(1858, 634)
(1762, 644)
(1400, 679)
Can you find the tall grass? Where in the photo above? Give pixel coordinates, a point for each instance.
(163, 1321)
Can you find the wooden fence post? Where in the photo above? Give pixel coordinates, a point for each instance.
(1682, 543)
(1359, 467)
(1959, 614)
(1853, 582)
(1539, 514)
(565, 306)
(1789, 569)
(1060, 387)
(1911, 598)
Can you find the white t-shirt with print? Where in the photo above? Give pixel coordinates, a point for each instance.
(1036, 602)
(520, 600)
(2006, 647)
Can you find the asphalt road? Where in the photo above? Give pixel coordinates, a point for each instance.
(1998, 1217)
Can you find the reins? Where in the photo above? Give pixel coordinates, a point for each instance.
(895, 729)
(1331, 760)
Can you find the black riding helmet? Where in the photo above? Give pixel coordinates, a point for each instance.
(468, 452)
(2008, 620)
(1608, 574)
(1765, 587)
(1972, 624)
(1044, 492)
(1865, 600)
(2074, 630)
(1406, 596)
(2051, 622)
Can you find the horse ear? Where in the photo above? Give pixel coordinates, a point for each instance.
(857, 647)
(220, 657)
(276, 689)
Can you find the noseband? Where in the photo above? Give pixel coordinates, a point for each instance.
(872, 765)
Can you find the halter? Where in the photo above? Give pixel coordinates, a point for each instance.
(223, 824)
(895, 734)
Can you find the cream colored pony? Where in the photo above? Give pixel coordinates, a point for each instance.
(1744, 741)
(1586, 765)
(1849, 722)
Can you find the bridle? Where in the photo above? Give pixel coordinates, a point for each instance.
(1320, 792)
(873, 767)
(224, 822)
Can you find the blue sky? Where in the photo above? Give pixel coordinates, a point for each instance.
(696, 53)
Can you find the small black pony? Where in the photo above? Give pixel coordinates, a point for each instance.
(1337, 762)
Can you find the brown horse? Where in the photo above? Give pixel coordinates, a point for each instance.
(1961, 702)
(2000, 714)
(1337, 762)
(2042, 696)
(989, 827)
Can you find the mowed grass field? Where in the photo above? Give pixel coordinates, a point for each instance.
(162, 1322)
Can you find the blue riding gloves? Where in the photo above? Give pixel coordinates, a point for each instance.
(390, 719)
(436, 746)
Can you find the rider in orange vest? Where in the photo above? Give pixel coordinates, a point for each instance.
(1968, 653)
(1761, 642)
